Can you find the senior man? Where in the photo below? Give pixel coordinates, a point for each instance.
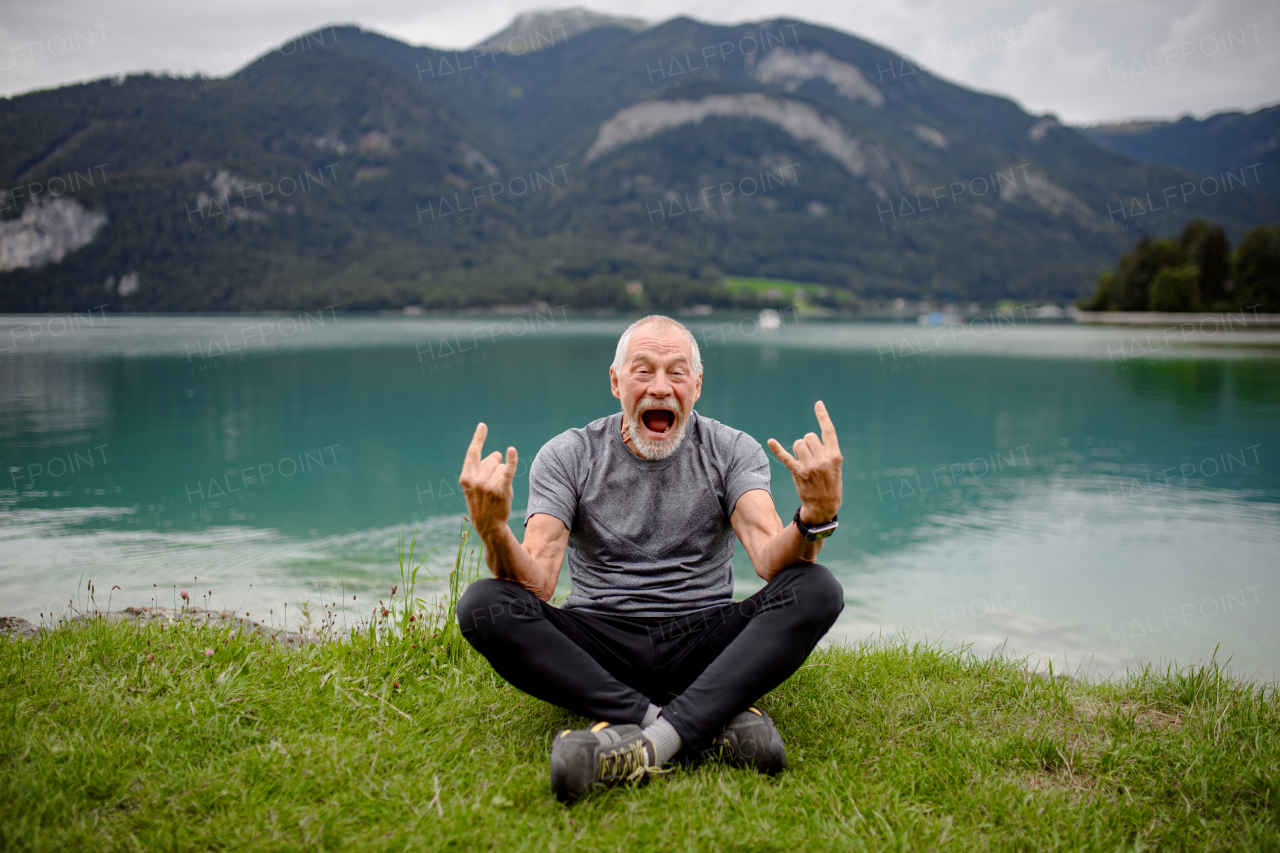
(649, 502)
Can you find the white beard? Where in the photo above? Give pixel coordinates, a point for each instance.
(657, 449)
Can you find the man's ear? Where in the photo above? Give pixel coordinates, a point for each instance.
(697, 388)
(613, 383)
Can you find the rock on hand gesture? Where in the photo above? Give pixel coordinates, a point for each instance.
(486, 483)
(815, 467)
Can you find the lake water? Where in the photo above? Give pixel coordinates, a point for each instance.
(1095, 497)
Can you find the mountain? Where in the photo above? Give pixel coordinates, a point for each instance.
(540, 28)
(347, 167)
(1216, 145)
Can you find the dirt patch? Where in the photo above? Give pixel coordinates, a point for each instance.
(1152, 718)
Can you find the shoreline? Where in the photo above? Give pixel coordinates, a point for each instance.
(1223, 321)
(18, 627)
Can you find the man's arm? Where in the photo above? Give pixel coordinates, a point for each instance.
(486, 483)
(815, 467)
(770, 546)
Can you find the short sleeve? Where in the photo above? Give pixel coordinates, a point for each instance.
(553, 484)
(747, 469)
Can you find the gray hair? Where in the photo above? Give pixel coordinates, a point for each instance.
(620, 356)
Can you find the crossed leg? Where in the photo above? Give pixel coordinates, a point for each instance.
(704, 667)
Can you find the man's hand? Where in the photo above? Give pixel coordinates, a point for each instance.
(486, 483)
(816, 469)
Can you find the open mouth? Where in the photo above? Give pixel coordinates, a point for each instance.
(658, 421)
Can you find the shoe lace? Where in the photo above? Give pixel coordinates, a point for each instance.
(628, 763)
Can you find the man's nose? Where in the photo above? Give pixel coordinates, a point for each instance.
(661, 385)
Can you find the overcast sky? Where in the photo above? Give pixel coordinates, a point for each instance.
(1085, 60)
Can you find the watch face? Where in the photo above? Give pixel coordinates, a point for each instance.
(818, 531)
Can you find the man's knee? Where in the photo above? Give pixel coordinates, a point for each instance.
(489, 603)
(816, 592)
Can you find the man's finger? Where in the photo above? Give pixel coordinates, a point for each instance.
(477, 442)
(783, 456)
(512, 459)
(801, 450)
(814, 443)
(496, 479)
(484, 469)
(828, 428)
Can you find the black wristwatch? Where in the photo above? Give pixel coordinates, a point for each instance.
(819, 531)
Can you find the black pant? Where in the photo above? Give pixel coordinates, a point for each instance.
(705, 666)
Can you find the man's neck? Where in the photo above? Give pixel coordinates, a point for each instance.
(626, 437)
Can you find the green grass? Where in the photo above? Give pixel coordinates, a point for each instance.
(402, 739)
(761, 286)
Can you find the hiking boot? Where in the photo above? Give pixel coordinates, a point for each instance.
(751, 740)
(597, 758)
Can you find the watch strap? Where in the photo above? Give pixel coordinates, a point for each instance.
(817, 532)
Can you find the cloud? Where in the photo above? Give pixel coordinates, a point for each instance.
(1059, 57)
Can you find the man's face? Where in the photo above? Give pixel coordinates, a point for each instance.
(657, 388)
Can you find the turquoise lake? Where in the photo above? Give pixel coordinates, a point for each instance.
(1099, 498)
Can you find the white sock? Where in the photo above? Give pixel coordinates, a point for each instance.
(650, 716)
(666, 743)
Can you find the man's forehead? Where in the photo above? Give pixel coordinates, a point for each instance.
(662, 341)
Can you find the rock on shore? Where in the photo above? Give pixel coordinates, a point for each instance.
(16, 626)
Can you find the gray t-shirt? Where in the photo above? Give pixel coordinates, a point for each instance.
(647, 537)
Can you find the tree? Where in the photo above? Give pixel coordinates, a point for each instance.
(1208, 248)
(1138, 268)
(1104, 297)
(1176, 289)
(1256, 270)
